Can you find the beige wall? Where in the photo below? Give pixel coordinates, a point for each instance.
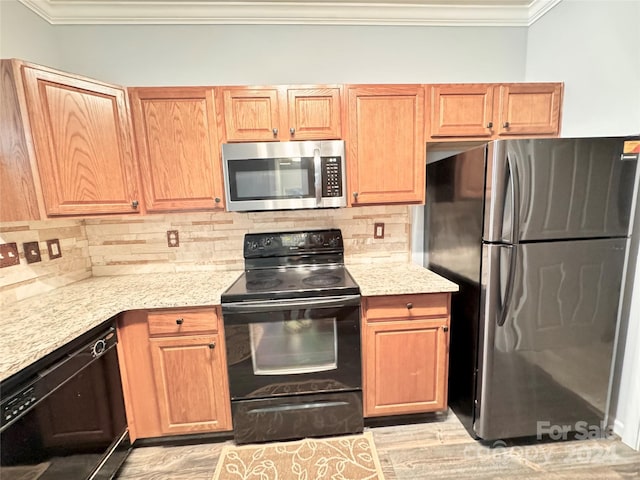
(26, 280)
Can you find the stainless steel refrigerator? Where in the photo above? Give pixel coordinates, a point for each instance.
(535, 234)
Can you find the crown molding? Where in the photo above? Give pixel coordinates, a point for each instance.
(310, 12)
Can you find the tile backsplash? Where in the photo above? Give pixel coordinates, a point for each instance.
(213, 241)
(29, 279)
(207, 241)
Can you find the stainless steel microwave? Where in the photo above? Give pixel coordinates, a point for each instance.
(284, 175)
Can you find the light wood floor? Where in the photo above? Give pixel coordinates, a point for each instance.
(437, 449)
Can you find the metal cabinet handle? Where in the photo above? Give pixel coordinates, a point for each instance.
(134, 204)
(490, 125)
(409, 306)
(275, 132)
(355, 195)
(292, 131)
(445, 328)
(505, 124)
(212, 345)
(217, 199)
(179, 321)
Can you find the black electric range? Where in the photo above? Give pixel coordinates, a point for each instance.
(292, 334)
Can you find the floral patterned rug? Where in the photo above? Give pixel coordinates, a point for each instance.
(351, 457)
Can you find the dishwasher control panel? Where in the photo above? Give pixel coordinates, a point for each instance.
(18, 404)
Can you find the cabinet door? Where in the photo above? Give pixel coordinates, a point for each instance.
(405, 367)
(314, 114)
(461, 110)
(83, 144)
(18, 197)
(386, 148)
(175, 131)
(530, 109)
(251, 114)
(191, 386)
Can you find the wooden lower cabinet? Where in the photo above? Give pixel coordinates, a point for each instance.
(190, 386)
(174, 376)
(405, 354)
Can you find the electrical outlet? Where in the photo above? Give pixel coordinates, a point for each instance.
(31, 252)
(378, 231)
(173, 238)
(54, 248)
(9, 255)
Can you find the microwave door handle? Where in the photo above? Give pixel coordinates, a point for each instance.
(317, 165)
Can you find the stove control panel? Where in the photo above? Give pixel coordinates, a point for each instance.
(288, 243)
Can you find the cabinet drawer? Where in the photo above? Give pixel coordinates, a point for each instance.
(182, 322)
(407, 306)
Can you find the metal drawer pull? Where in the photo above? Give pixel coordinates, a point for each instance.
(179, 321)
(212, 345)
(409, 305)
(445, 328)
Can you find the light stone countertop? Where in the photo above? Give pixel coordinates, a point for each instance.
(397, 279)
(35, 327)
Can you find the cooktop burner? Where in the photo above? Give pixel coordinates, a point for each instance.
(292, 265)
(263, 284)
(322, 280)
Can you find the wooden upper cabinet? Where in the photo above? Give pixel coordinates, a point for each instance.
(530, 109)
(461, 110)
(250, 114)
(489, 111)
(178, 149)
(314, 114)
(385, 143)
(82, 142)
(255, 114)
(18, 193)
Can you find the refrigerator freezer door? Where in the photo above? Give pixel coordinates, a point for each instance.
(561, 188)
(546, 343)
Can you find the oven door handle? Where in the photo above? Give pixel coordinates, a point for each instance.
(278, 305)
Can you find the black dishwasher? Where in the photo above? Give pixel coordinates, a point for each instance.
(63, 417)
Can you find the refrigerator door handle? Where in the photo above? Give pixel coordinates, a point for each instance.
(508, 293)
(515, 198)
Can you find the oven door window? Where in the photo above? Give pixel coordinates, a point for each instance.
(293, 350)
(271, 178)
(294, 344)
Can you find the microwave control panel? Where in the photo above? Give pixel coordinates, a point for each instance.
(331, 177)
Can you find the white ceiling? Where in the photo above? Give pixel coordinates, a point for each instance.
(300, 12)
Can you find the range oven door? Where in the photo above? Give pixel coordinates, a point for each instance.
(294, 367)
(289, 347)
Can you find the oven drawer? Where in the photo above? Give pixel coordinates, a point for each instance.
(406, 306)
(299, 416)
(182, 322)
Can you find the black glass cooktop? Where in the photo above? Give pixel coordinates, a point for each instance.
(297, 264)
(292, 282)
